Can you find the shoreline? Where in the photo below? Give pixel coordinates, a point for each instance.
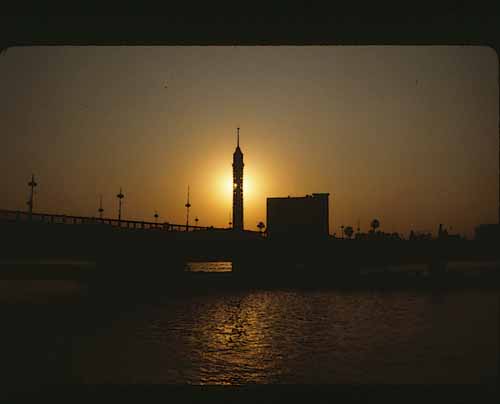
(47, 282)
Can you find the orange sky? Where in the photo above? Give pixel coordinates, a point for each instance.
(408, 135)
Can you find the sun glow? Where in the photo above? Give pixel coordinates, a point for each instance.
(227, 187)
(255, 191)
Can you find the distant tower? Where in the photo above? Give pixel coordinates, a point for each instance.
(120, 196)
(32, 184)
(187, 205)
(100, 210)
(238, 186)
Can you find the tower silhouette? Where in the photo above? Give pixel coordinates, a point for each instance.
(238, 186)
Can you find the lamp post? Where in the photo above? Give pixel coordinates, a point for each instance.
(32, 184)
(100, 210)
(120, 196)
(156, 217)
(187, 205)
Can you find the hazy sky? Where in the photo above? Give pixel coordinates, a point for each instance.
(408, 135)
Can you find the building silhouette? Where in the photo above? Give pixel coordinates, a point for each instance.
(306, 216)
(487, 232)
(238, 186)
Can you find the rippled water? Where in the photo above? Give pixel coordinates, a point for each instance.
(254, 336)
(209, 266)
(298, 337)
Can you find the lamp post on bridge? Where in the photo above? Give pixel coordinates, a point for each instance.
(156, 217)
(120, 196)
(100, 210)
(32, 184)
(187, 205)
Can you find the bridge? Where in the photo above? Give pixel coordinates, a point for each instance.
(49, 218)
(146, 252)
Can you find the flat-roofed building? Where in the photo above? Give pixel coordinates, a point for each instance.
(487, 232)
(306, 216)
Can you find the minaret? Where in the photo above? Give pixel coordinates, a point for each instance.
(238, 186)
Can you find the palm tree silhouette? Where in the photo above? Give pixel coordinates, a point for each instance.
(375, 224)
(349, 231)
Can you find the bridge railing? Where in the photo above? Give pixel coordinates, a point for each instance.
(21, 216)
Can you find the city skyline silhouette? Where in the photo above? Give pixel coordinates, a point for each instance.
(354, 171)
(394, 133)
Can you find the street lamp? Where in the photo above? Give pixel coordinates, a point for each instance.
(187, 205)
(120, 196)
(32, 185)
(100, 210)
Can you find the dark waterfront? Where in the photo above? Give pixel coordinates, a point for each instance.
(348, 237)
(248, 336)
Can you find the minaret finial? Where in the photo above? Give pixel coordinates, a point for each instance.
(238, 138)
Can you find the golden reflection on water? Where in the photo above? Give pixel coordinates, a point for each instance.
(297, 337)
(238, 335)
(263, 336)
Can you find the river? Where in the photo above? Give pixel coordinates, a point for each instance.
(254, 336)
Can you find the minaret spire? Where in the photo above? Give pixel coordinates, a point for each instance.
(238, 138)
